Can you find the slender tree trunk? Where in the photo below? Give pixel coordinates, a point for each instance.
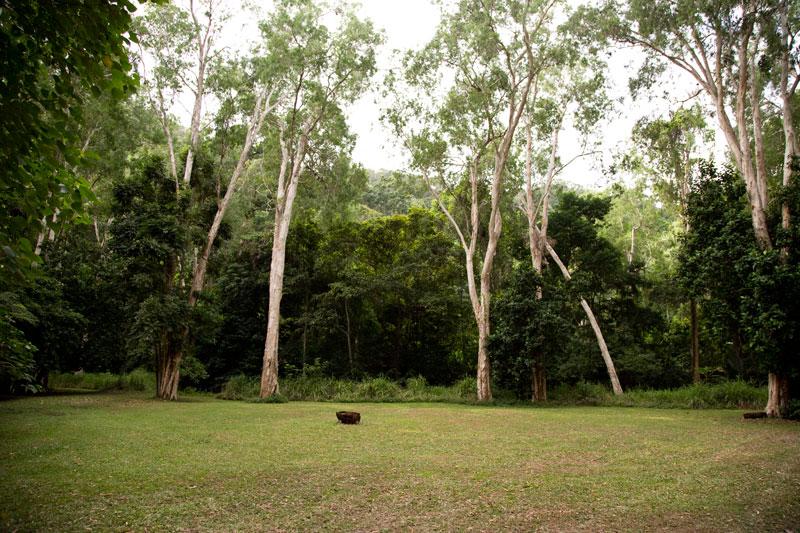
(756, 190)
(97, 231)
(632, 250)
(791, 149)
(283, 216)
(348, 334)
(203, 44)
(539, 382)
(269, 373)
(695, 334)
(173, 165)
(40, 238)
(305, 332)
(484, 370)
(758, 135)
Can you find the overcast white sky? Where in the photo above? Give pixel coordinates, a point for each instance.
(409, 24)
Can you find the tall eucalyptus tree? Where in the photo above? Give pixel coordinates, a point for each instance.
(569, 87)
(322, 69)
(172, 36)
(720, 45)
(488, 54)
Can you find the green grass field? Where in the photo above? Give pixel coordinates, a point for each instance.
(122, 461)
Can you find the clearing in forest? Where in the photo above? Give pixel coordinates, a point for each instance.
(127, 462)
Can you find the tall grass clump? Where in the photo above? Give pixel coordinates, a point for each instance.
(724, 395)
(316, 388)
(137, 380)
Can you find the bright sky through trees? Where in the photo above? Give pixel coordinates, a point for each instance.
(409, 25)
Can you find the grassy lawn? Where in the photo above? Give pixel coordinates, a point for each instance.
(121, 461)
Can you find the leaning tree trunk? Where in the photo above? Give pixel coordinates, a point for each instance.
(601, 342)
(612, 371)
(260, 110)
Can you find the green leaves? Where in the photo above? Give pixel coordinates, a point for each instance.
(51, 58)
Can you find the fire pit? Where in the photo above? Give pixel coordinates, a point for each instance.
(348, 417)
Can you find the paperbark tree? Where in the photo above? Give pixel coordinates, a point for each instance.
(787, 87)
(181, 45)
(203, 36)
(719, 45)
(493, 52)
(257, 96)
(324, 70)
(165, 38)
(537, 213)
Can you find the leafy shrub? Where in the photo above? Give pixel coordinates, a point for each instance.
(378, 389)
(467, 388)
(275, 398)
(793, 412)
(316, 388)
(417, 384)
(141, 380)
(582, 393)
(240, 387)
(725, 395)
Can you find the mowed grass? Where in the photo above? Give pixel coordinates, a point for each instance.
(123, 461)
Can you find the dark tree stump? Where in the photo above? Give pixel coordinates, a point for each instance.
(348, 417)
(757, 414)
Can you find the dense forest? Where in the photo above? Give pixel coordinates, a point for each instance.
(174, 204)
